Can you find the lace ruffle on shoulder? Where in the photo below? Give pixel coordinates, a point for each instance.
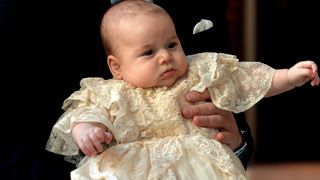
(233, 85)
(148, 127)
(98, 100)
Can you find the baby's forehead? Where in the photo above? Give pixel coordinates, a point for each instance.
(127, 11)
(131, 8)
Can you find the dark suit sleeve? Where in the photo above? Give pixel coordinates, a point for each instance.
(245, 151)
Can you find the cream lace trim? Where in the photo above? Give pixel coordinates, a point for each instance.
(233, 85)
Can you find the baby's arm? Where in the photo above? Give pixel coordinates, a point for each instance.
(297, 75)
(90, 137)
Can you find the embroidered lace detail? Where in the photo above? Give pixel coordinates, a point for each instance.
(233, 85)
(148, 128)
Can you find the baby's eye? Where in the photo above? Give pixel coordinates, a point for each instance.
(148, 52)
(172, 45)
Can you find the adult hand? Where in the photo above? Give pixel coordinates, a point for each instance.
(205, 114)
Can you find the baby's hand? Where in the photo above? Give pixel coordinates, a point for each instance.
(90, 137)
(303, 72)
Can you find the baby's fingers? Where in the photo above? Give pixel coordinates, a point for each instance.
(108, 137)
(102, 138)
(87, 146)
(314, 67)
(314, 74)
(316, 80)
(98, 138)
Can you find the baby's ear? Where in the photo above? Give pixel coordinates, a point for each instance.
(114, 66)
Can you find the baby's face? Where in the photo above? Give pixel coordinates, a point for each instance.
(149, 51)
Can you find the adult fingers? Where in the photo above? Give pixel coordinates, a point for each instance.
(193, 96)
(230, 139)
(216, 121)
(201, 109)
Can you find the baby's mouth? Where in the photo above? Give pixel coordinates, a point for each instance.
(168, 73)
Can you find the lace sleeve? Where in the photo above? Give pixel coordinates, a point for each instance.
(82, 106)
(98, 100)
(78, 110)
(234, 86)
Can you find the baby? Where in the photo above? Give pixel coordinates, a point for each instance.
(137, 113)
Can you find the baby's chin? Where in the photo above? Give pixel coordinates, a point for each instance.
(163, 82)
(168, 82)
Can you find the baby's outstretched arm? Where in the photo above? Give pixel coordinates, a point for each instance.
(90, 137)
(296, 76)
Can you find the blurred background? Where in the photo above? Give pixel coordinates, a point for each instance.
(285, 127)
(37, 38)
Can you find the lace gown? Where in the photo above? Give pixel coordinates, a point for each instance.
(151, 138)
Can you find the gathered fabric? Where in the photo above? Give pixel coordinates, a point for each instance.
(151, 139)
